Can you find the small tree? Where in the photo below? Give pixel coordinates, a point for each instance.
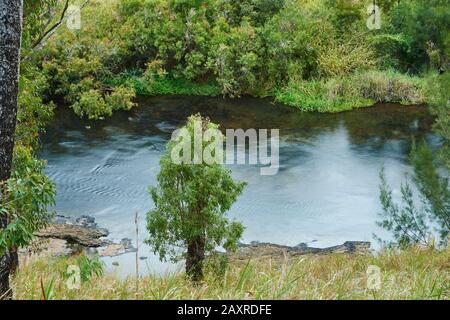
(27, 194)
(439, 101)
(410, 223)
(191, 200)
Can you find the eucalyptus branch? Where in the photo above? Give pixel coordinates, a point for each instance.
(54, 27)
(38, 44)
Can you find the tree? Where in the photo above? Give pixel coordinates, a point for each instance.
(10, 44)
(420, 23)
(191, 201)
(409, 223)
(26, 196)
(439, 101)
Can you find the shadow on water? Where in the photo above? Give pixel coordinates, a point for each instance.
(326, 190)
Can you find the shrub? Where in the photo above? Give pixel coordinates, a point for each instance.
(345, 56)
(438, 96)
(27, 194)
(92, 105)
(409, 223)
(121, 98)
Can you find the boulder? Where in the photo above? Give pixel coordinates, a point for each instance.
(115, 249)
(73, 234)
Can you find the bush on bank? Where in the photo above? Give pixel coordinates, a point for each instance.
(316, 55)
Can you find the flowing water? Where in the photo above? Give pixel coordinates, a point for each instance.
(325, 193)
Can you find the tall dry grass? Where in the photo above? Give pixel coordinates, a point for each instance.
(414, 273)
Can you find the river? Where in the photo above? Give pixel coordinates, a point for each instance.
(325, 193)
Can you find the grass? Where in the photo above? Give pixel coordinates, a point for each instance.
(319, 96)
(336, 94)
(354, 91)
(166, 86)
(414, 273)
(357, 90)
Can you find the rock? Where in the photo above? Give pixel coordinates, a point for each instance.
(74, 234)
(83, 234)
(83, 221)
(115, 249)
(302, 246)
(256, 249)
(111, 250)
(354, 247)
(126, 243)
(76, 230)
(143, 258)
(115, 263)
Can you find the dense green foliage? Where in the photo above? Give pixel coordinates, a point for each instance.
(317, 55)
(439, 93)
(29, 192)
(191, 203)
(423, 40)
(26, 196)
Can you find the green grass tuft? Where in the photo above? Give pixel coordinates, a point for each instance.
(354, 91)
(167, 86)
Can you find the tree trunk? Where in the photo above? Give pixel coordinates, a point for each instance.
(10, 43)
(14, 262)
(195, 257)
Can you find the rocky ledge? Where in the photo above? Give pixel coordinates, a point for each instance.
(71, 235)
(260, 249)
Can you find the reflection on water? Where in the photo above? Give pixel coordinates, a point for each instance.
(326, 191)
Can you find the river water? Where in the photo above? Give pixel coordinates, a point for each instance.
(325, 193)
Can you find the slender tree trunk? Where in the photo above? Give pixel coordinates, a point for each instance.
(14, 262)
(10, 43)
(195, 257)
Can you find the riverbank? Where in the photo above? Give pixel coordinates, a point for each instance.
(106, 170)
(294, 52)
(255, 271)
(73, 236)
(358, 90)
(414, 273)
